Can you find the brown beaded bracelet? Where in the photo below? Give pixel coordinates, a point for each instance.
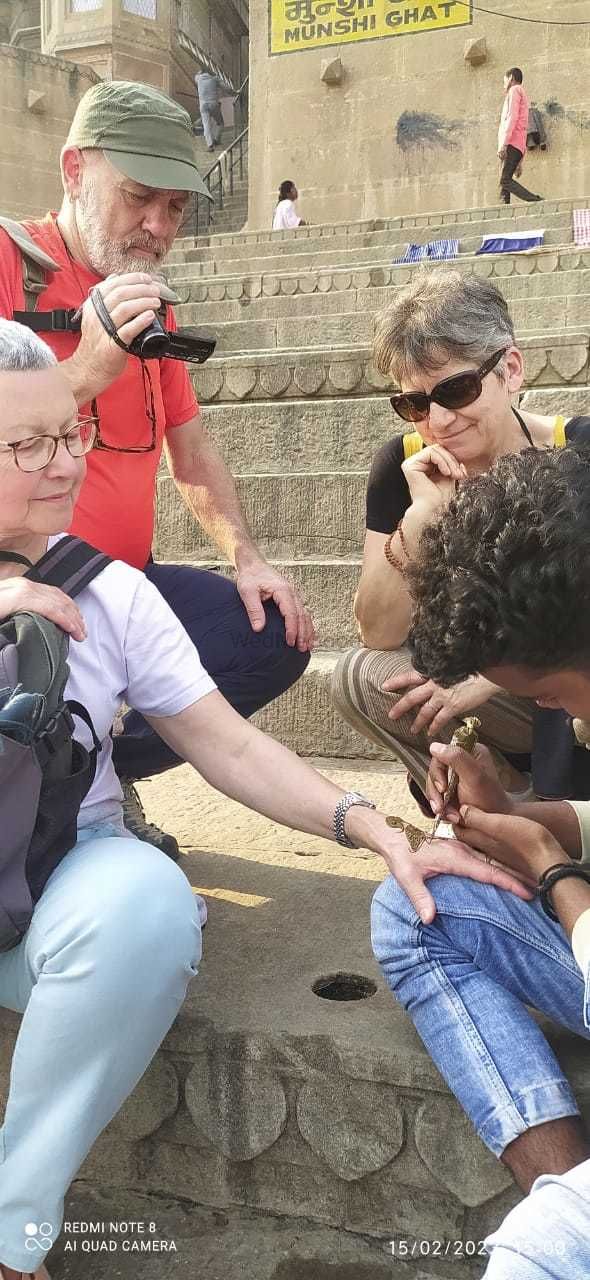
(391, 558)
(404, 545)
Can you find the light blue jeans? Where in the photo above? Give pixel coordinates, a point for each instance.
(99, 977)
(547, 1236)
(465, 980)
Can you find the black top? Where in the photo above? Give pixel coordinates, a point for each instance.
(388, 496)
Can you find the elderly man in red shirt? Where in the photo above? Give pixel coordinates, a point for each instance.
(512, 136)
(128, 171)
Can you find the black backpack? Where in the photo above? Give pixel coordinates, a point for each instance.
(44, 772)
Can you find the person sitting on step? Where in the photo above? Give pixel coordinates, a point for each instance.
(448, 341)
(285, 217)
(501, 586)
(115, 936)
(123, 205)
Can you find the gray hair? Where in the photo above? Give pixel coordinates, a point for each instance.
(442, 315)
(21, 350)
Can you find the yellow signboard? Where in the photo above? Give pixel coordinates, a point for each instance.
(313, 24)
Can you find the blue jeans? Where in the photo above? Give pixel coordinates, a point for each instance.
(99, 978)
(547, 1236)
(249, 668)
(465, 980)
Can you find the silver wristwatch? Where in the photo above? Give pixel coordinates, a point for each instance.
(348, 800)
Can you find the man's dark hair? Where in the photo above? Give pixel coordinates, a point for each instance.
(515, 73)
(502, 576)
(285, 190)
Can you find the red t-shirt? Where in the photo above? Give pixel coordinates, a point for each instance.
(115, 510)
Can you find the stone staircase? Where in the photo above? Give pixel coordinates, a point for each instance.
(297, 408)
(234, 214)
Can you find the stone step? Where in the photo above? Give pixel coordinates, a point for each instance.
(568, 400)
(373, 255)
(328, 587)
(334, 434)
(444, 221)
(302, 435)
(244, 251)
(535, 314)
(518, 276)
(296, 515)
(306, 720)
(347, 371)
(353, 292)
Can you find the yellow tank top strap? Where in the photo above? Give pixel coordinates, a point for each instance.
(559, 439)
(413, 443)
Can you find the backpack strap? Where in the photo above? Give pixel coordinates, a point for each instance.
(70, 565)
(413, 443)
(35, 263)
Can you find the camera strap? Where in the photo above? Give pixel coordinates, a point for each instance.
(60, 321)
(105, 319)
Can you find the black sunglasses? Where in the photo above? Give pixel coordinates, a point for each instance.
(150, 413)
(452, 393)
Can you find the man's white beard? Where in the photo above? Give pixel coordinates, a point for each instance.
(107, 257)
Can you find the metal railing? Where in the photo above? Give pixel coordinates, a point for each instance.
(241, 102)
(220, 182)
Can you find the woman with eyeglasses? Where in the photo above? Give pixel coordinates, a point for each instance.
(448, 342)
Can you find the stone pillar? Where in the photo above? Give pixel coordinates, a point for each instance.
(119, 39)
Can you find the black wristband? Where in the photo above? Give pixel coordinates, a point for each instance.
(552, 876)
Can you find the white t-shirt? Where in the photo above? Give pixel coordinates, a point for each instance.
(285, 218)
(137, 652)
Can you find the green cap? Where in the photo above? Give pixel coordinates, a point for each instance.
(142, 131)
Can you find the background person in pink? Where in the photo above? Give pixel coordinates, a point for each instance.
(512, 136)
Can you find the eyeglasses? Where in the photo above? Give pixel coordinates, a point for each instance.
(36, 452)
(150, 413)
(452, 393)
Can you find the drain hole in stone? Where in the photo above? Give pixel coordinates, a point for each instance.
(344, 986)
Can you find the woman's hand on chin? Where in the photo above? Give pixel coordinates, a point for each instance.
(21, 595)
(432, 476)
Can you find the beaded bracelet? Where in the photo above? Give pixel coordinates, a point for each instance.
(391, 558)
(552, 876)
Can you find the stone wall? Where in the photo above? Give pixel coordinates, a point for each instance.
(412, 126)
(38, 97)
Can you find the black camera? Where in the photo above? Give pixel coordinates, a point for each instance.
(189, 344)
(155, 342)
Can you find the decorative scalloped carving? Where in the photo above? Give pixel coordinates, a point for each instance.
(355, 1129)
(208, 382)
(240, 1108)
(452, 1151)
(308, 378)
(535, 362)
(274, 380)
(345, 375)
(240, 380)
(568, 362)
(152, 1102)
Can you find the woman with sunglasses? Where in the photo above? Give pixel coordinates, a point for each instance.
(448, 341)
